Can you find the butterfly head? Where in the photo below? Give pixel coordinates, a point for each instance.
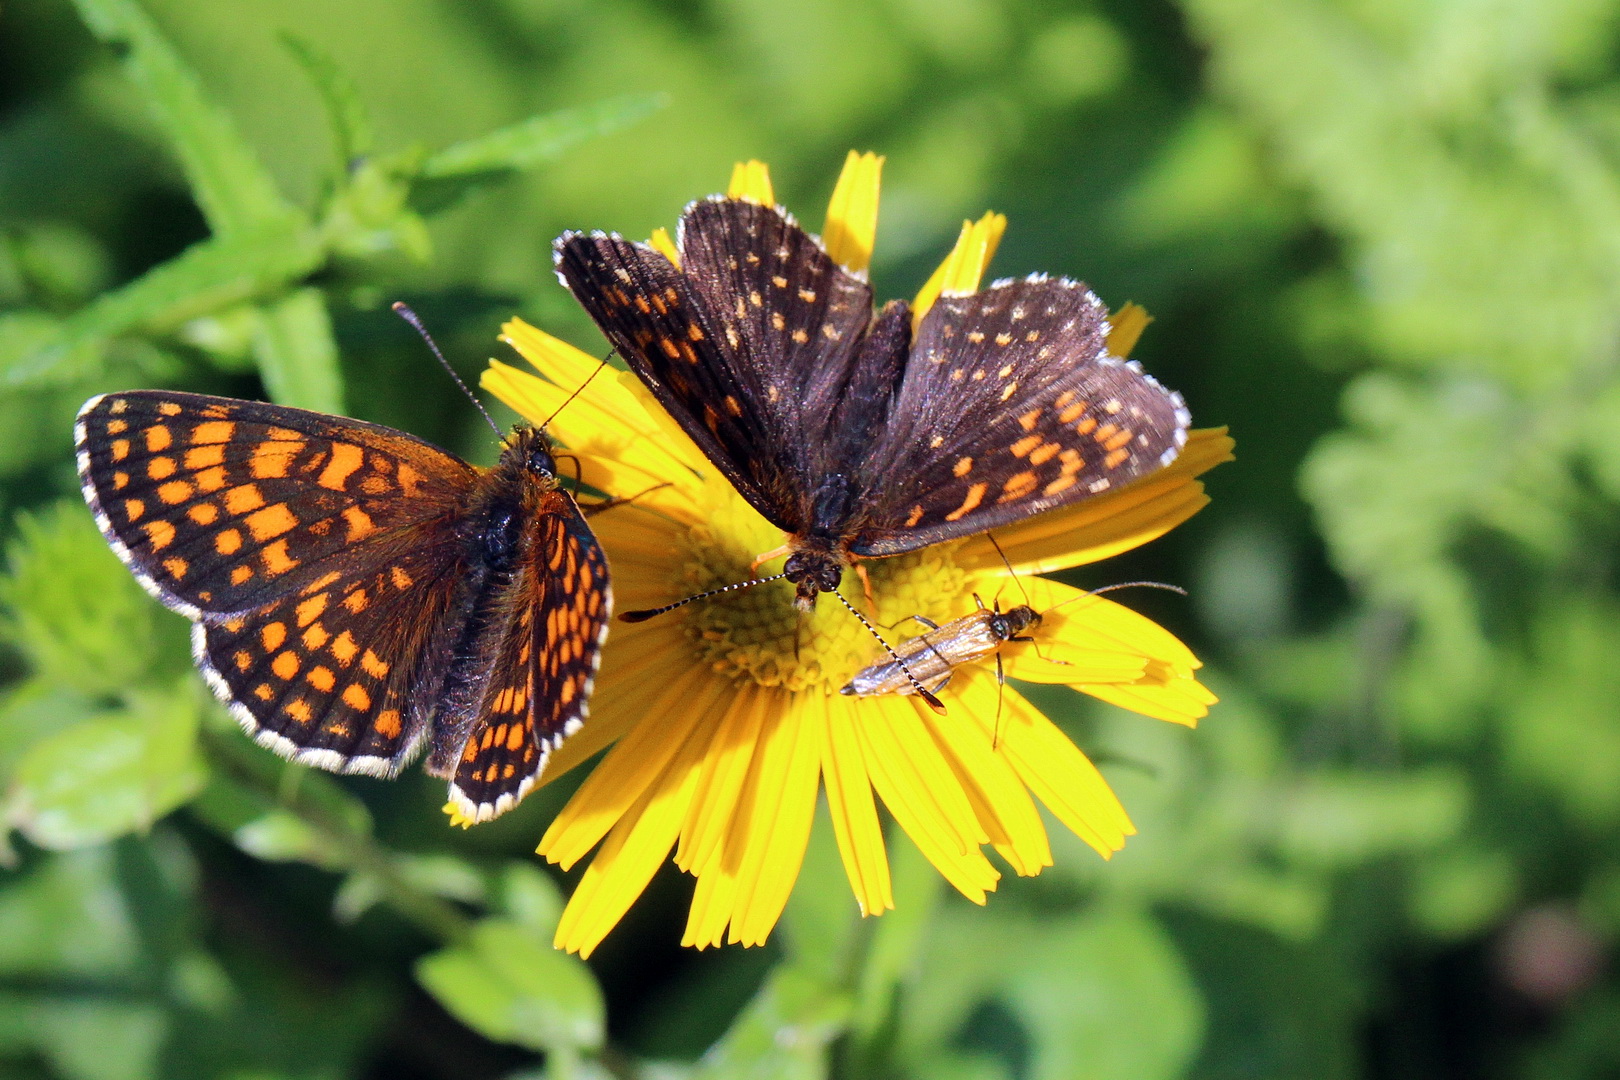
(812, 572)
(530, 450)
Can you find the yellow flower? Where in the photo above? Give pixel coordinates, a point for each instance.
(724, 717)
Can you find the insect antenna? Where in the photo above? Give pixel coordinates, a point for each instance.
(1137, 585)
(578, 389)
(403, 311)
(1011, 572)
(922, 691)
(643, 616)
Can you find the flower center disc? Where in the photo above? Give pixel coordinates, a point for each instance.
(757, 633)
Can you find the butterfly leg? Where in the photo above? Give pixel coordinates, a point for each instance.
(592, 509)
(866, 587)
(761, 560)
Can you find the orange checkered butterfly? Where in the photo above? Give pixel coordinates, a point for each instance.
(355, 591)
(856, 437)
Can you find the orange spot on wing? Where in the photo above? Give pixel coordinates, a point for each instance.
(321, 678)
(158, 437)
(203, 513)
(372, 665)
(176, 492)
(1115, 457)
(285, 665)
(160, 468)
(1018, 486)
(271, 522)
(275, 558)
(309, 610)
(176, 567)
(272, 635)
(345, 459)
(133, 509)
(1023, 446)
(344, 648)
(201, 457)
(210, 479)
(244, 499)
(299, 710)
(387, 723)
(159, 534)
(271, 459)
(356, 698)
(975, 495)
(963, 466)
(215, 431)
(359, 522)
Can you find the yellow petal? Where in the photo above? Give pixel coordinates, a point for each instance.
(639, 663)
(854, 814)
(921, 791)
(661, 243)
(751, 182)
(1125, 327)
(632, 766)
(1107, 525)
(960, 273)
(967, 739)
(725, 769)
(851, 227)
(630, 856)
(772, 828)
(1059, 774)
(1180, 699)
(713, 901)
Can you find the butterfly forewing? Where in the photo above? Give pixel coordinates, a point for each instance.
(793, 323)
(545, 659)
(1011, 405)
(222, 506)
(645, 307)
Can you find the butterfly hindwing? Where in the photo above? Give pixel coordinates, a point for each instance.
(329, 675)
(221, 506)
(544, 662)
(1011, 405)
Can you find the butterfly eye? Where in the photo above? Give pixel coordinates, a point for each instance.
(541, 462)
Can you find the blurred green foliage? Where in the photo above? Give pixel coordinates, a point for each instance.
(1382, 240)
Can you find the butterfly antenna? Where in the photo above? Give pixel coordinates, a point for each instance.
(922, 691)
(578, 390)
(643, 616)
(403, 311)
(1016, 579)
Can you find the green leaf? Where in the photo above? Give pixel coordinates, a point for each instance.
(66, 915)
(1348, 817)
(282, 836)
(227, 180)
(530, 897)
(207, 277)
(540, 139)
(100, 1040)
(1106, 997)
(783, 1034)
(454, 171)
(297, 354)
(111, 775)
(509, 985)
(75, 612)
(345, 112)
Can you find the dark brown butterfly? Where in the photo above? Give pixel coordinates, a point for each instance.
(854, 436)
(355, 591)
